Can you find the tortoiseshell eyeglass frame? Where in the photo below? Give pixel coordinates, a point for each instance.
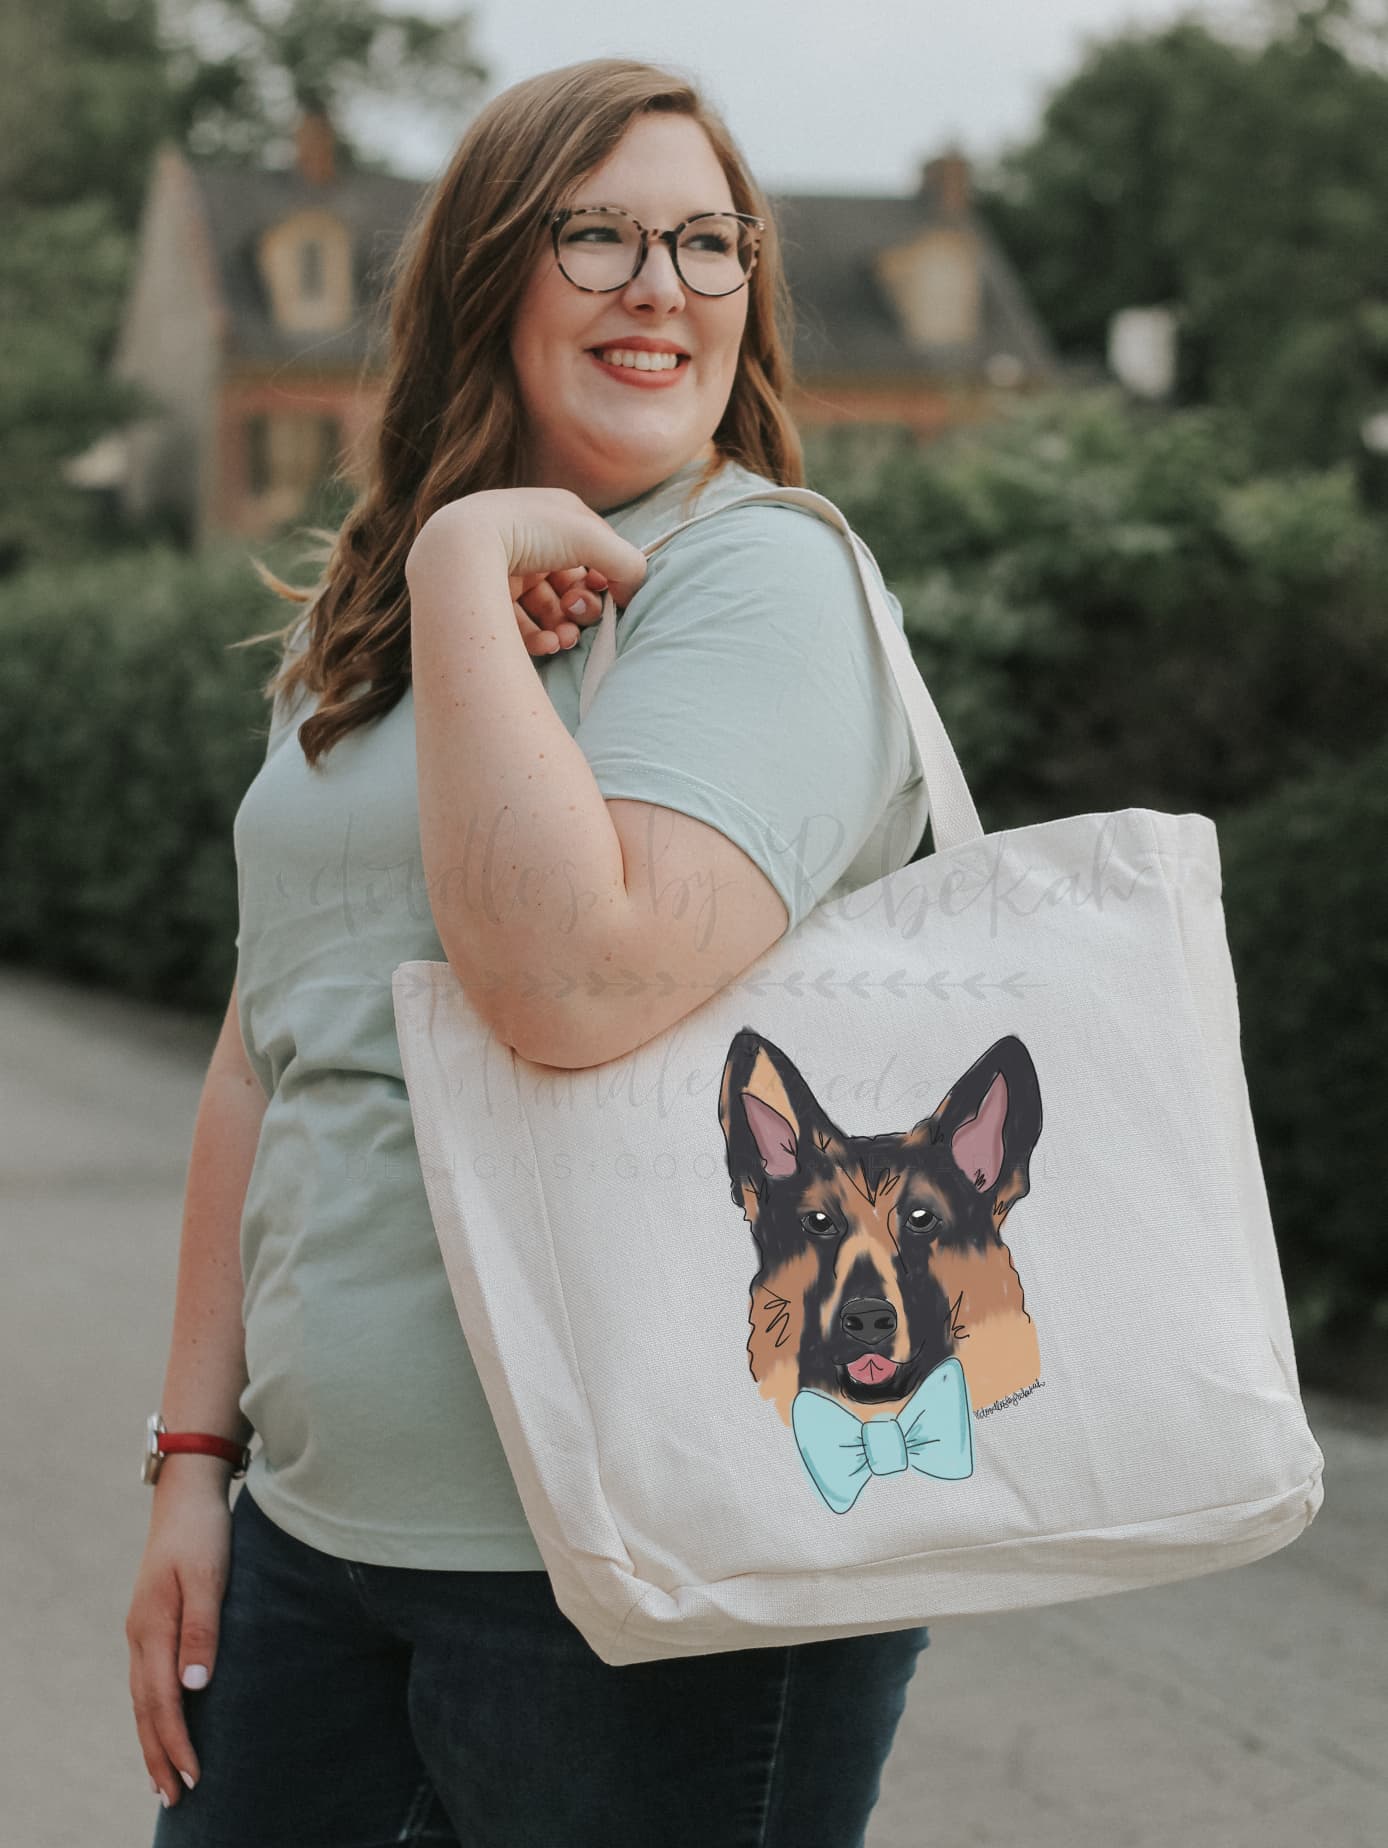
(670, 239)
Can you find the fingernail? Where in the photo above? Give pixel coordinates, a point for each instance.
(189, 1781)
(578, 607)
(163, 1798)
(195, 1676)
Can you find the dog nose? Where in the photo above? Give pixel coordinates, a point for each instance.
(868, 1319)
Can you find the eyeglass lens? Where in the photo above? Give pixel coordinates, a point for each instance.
(600, 250)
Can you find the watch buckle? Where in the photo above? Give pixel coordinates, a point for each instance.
(154, 1456)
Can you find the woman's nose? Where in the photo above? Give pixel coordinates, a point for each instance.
(657, 281)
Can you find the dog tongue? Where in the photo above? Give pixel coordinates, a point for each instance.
(870, 1369)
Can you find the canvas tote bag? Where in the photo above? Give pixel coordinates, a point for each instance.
(925, 1269)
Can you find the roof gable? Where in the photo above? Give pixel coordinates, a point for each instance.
(244, 205)
(859, 269)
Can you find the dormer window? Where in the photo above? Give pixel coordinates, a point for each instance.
(311, 272)
(934, 284)
(306, 265)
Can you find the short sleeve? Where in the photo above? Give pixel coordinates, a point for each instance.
(750, 691)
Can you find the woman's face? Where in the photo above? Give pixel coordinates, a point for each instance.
(592, 429)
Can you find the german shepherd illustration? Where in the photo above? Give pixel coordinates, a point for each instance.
(886, 1308)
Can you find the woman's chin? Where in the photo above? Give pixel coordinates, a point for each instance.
(637, 450)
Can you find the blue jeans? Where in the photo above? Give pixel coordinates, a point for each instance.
(354, 1705)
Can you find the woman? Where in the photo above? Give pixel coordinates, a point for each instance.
(369, 1644)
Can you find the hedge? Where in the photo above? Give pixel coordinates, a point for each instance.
(1111, 612)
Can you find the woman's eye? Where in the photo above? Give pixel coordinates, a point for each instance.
(820, 1224)
(921, 1219)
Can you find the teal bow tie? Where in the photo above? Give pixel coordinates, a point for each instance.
(933, 1433)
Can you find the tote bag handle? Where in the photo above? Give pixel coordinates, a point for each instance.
(953, 817)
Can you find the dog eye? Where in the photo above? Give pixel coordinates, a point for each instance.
(820, 1225)
(921, 1219)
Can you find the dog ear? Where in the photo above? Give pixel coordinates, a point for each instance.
(989, 1121)
(771, 1118)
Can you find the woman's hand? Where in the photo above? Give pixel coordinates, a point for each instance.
(175, 1615)
(555, 549)
(552, 606)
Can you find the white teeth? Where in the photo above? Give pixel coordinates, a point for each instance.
(643, 362)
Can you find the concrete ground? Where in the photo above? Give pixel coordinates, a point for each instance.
(1245, 1710)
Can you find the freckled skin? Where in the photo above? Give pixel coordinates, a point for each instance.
(888, 1244)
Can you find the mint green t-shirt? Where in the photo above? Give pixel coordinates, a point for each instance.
(748, 691)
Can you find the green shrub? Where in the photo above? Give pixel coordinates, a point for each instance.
(1306, 900)
(129, 732)
(1112, 611)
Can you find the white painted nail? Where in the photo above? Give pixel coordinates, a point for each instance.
(187, 1778)
(579, 607)
(163, 1798)
(195, 1676)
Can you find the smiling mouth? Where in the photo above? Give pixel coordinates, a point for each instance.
(640, 375)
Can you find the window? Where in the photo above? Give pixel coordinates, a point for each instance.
(935, 285)
(312, 282)
(289, 453)
(305, 266)
(258, 477)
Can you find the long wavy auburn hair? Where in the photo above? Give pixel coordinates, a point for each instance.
(451, 420)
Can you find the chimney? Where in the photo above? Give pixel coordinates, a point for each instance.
(315, 148)
(947, 182)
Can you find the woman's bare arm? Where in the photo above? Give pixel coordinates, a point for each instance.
(206, 1372)
(175, 1613)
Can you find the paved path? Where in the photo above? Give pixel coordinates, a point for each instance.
(1246, 1710)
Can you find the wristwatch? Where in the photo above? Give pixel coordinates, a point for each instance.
(160, 1443)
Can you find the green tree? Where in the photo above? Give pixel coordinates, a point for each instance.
(243, 70)
(88, 88)
(1114, 607)
(63, 270)
(1246, 184)
(84, 97)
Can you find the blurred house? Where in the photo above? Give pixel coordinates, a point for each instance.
(249, 320)
(254, 310)
(907, 310)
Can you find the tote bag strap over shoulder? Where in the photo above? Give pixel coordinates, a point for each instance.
(953, 817)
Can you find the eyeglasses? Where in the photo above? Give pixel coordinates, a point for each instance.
(601, 248)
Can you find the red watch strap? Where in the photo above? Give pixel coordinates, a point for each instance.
(171, 1441)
